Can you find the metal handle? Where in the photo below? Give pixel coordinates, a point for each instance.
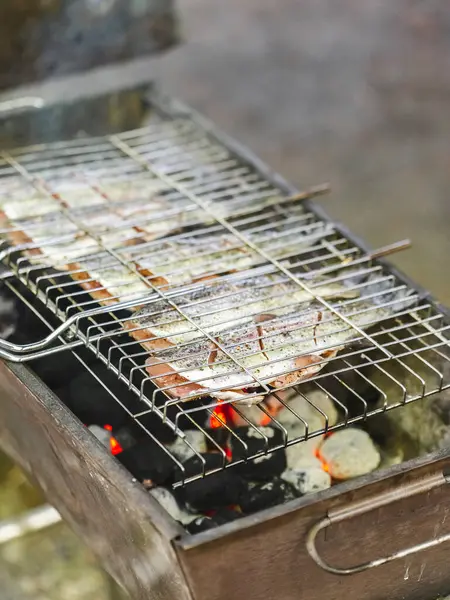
(20, 104)
(352, 510)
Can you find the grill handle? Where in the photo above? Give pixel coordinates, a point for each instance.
(354, 509)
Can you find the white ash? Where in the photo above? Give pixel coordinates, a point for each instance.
(304, 409)
(308, 479)
(419, 427)
(170, 505)
(303, 454)
(182, 451)
(103, 435)
(261, 459)
(261, 432)
(349, 453)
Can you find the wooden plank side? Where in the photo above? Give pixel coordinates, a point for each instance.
(127, 530)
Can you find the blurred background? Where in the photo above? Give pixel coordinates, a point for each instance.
(352, 92)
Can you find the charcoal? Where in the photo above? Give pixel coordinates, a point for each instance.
(170, 505)
(201, 524)
(265, 467)
(219, 437)
(148, 461)
(92, 403)
(226, 515)
(58, 370)
(151, 422)
(127, 436)
(349, 453)
(220, 517)
(214, 491)
(258, 496)
(182, 450)
(350, 388)
(308, 479)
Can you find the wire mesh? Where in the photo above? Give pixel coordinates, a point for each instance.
(219, 299)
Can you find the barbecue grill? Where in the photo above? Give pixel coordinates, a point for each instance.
(203, 175)
(178, 157)
(211, 236)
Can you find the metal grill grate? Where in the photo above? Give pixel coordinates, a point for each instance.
(206, 288)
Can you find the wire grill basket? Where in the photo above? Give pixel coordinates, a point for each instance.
(215, 294)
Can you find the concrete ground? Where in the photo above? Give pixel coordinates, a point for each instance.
(347, 91)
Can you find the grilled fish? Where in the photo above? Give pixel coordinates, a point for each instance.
(278, 351)
(227, 304)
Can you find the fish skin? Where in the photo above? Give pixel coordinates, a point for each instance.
(230, 304)
(298, 344)
(181, 261)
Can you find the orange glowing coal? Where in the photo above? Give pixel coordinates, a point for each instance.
(220, 415)
(114, 445)
(325, 465)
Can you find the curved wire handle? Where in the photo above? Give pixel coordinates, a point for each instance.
(22, 353)
(422, 486)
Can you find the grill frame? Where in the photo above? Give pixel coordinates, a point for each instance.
(267, 551)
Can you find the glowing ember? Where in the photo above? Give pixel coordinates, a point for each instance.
(325, 465)
(265, 420)
(114, 445)
(220, 415)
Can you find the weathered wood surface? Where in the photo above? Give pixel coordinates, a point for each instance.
(41, 39)
(124, 527)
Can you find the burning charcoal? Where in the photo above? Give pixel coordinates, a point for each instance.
(308, 479)
(128, 435)
(214, 491)
(349, 453)
(201, 524)
(58, 370)
(296, 407)
(147, 460)
(264, 467)
(93, 404)
(226, 515)
(220, 517)
(170, 505)
(181, 450)
(103, 435)
(259, 496)
(303, 454)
